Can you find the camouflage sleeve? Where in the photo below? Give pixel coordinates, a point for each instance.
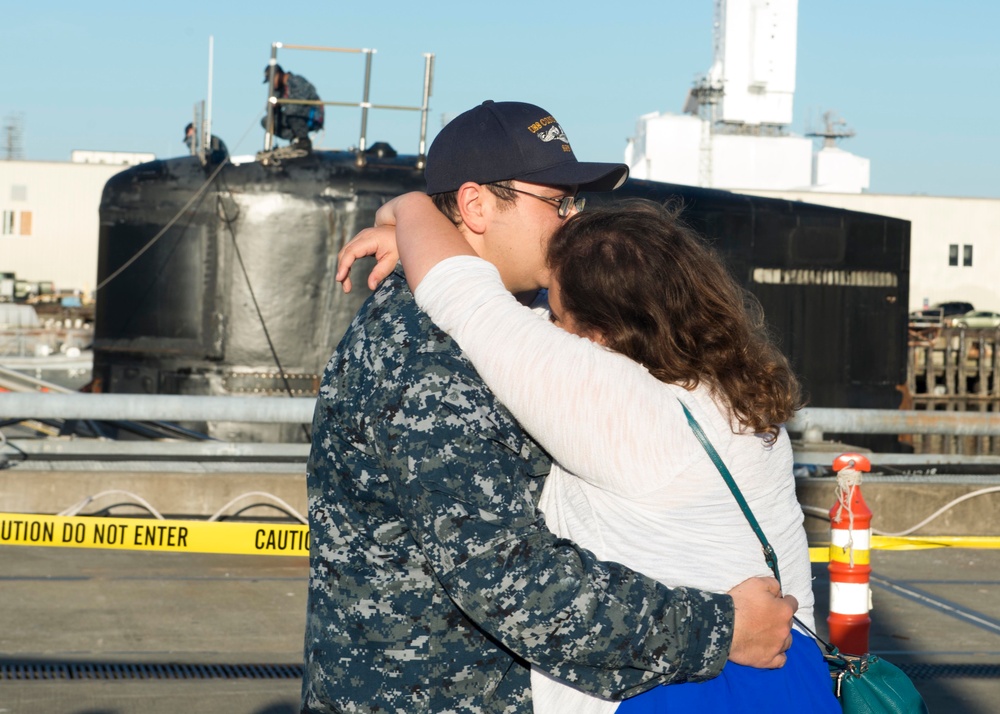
(299, 88)
(597, 625)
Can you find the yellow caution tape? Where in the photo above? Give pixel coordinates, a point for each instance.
(923, 542)
(821, 554)
(275, 539)
(147, 534)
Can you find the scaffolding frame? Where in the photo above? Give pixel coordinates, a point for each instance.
(365, 104)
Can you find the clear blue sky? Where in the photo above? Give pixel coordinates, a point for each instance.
(915, 79)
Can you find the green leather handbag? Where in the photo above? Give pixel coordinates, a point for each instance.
(867, 684)
(864, 684)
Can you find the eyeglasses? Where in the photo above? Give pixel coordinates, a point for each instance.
(565, 205)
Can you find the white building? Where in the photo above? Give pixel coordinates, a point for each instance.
(49, 227)
(49, 220)
(122, 158)
(734, 135)
(734, 131)
(952, 242)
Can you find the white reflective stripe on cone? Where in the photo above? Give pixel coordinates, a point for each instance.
(841, 537)
(849, 598)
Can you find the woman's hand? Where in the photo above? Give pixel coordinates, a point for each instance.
(380, 242)
(426, 237)
(762, 624)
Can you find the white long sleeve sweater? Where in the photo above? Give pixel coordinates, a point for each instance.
(631, 482)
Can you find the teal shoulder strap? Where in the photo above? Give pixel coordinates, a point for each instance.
(769, 557)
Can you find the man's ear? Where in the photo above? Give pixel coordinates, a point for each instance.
(472, 198)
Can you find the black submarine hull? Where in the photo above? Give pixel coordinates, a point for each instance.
(237, 295)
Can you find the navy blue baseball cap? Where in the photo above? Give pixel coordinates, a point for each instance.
(499, 141)
(267, 71)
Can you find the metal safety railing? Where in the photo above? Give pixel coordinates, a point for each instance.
(365, 104)
(812, 422)
(157, 407)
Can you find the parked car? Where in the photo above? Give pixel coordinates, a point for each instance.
(940, 314)
(925, 318)
(978, 319)
(954, 308)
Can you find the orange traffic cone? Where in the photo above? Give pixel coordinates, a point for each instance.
(850, 546)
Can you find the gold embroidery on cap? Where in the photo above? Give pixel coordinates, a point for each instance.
(545, 121)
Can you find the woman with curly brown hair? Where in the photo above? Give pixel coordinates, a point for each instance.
(639, 282)
(665, 328)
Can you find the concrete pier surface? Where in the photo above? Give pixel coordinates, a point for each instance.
(124, 632)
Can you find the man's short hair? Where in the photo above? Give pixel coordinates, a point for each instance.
(447, 202)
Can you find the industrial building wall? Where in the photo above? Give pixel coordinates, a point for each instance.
(666, 147)
(839, 171)
(671, 148)
(49, 230)
(762, 162)
(943, 232)
(49, 220)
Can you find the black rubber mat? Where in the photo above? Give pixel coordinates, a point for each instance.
(142, 670)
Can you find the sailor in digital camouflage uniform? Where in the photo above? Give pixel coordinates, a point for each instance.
(434, 582)
(293, 121)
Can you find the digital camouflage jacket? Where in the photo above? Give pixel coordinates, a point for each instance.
(434, 581)
(298, 87)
